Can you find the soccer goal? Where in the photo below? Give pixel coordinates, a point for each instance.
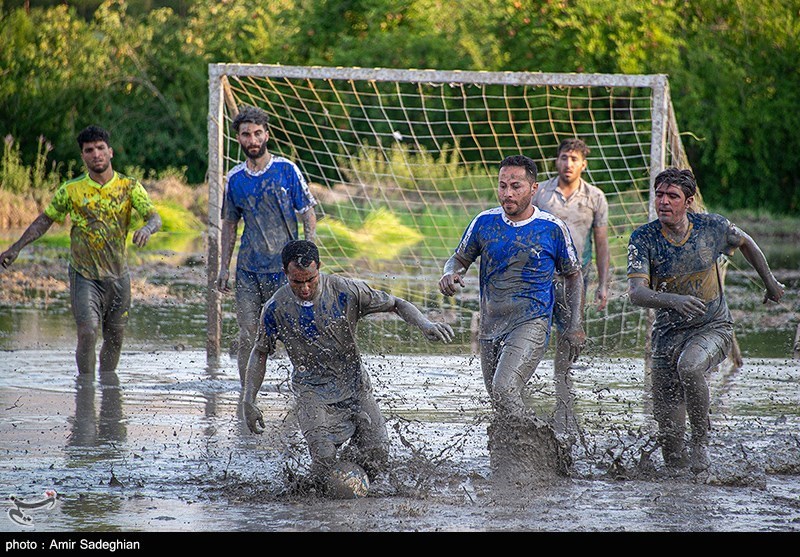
(400, 161)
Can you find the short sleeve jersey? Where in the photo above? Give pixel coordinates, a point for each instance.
(518, 263)
(267, 201)
(320, 335)
(583, 211)
(100, 217)
(688, 267)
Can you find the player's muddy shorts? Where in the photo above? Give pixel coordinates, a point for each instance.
(327, 426)
(252, 292)
(711, 343)
(509, 362)
(99, 302)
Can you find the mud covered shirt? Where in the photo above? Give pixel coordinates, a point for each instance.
(518, 263)
(267, 201)
(320, 335)
(583, 211)
(688, 267)
(101, 217)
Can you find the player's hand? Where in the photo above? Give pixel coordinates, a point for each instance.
(447, 284)
(8, 257)
(141, 236)
(222, 281)
(254, 418)
(438, 331)
(576, 338)
(690, 307)
(601, 297)
(774, 291)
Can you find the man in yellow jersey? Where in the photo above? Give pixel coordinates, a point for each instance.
(99, 204)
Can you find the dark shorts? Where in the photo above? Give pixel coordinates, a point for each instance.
(252, 292)
(713, 342)
(326, 426)
(102, 302)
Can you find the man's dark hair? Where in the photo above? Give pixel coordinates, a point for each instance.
(91, 134)
(525, 162)
(302, 252)
(681, 178)
(250, 115)
(573, 144)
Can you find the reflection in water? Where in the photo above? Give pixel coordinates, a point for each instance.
(88, 429)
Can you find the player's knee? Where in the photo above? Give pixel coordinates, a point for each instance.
(87, 333)
(113, 333)
(692, 369)
(247, 336)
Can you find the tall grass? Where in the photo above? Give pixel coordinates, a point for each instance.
(400, 172)
(36, 180)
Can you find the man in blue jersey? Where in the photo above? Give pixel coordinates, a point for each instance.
(673, 267)
(267, 192)
(521, 248)
(316, 318)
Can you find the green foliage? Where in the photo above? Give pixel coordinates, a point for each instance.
(36, 180)
(174, 218)
(381, 237)
(140, 67)
(417, 172)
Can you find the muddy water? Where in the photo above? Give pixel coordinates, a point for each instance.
(165, 450)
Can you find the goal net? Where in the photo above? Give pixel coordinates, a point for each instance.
(400, 162)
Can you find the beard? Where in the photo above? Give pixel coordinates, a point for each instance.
(99, 168)
(257, 154)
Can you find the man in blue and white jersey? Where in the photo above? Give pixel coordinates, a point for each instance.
(267, 192)
(520, 248)
(673, 268)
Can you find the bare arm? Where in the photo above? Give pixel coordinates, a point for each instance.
(602, 259)
(454, 270)
(641, 294)
(37, 228)
(413, 316)
(227, 243)
(153, 225)
(254, 377)
(758, 261)
(574, 334)
(309, 219)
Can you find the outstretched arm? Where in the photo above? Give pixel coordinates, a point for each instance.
(411, 315)
(153, 225)
(758, 261)
(641, 294)
(227, 243)
(254, 377)
(574, 334)
(454, 270)
(37, 228)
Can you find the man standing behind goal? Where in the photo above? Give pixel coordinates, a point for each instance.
(584, 209)
(520, 248)
(267, 192)
(673, 267)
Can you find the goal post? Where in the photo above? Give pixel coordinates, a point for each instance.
(400, 161)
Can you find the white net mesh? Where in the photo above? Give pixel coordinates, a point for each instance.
(401, 161)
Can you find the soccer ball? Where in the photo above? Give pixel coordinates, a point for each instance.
(347, 480)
